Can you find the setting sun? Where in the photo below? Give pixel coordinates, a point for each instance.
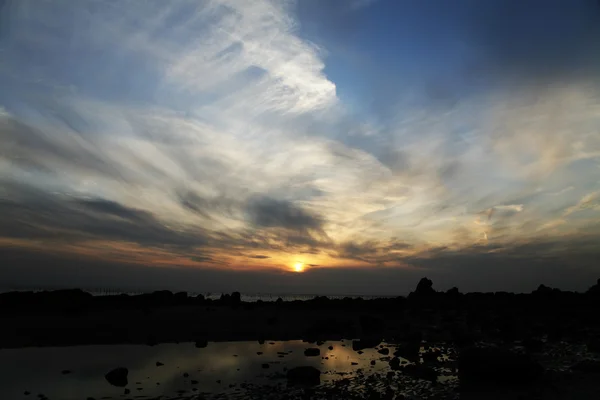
(299, 267)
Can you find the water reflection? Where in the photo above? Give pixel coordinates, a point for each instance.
(175, 370)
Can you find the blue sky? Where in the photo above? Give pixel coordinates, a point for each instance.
(381, 139)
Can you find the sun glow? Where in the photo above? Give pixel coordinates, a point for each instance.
(299, 267)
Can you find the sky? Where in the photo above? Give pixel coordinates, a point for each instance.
(219, 145)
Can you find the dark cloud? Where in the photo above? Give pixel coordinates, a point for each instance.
(208, 207)
(267, 212)
(373, 252)
(259, 257)
(30, 213)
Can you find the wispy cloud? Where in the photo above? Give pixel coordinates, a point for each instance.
(216, 129)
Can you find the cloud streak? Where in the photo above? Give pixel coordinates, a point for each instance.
(235, 135)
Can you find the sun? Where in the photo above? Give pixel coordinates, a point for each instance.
(299, 267)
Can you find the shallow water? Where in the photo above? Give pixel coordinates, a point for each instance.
(223, 369)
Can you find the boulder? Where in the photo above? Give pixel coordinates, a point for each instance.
(420, 372)
(308, 376)
(410, 351)
(371, 325)
(117, 377)
(358, 345)
(312, 352)
(395, 364)
(496, 365)
(587, 366)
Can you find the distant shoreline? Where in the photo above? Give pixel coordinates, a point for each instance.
(246, 297)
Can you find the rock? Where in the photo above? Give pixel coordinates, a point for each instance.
(372, 362)
(194, 382)
(593, 345)
(159, 364)
(309, 376)
(431, 356)
(126, 391)
(265, 366)
(425, 286)
(384, 351)
(587, 366)
(496, 365)
(236, 298)
(26, 393)
(389, 394)
(410, 351)
(65, 372)
(201, 343)
(362, 344)
(186, 375)
(353, 363)
(395, 364)
(117, 377)
(312, 352)
(533, 345)
(258, 353)
(330, 347)
(421, 372)
(371, 325)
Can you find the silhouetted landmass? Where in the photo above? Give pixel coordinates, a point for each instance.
(75, 317)
(483, 329)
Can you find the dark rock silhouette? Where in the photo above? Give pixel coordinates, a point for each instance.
(201, 343)
(593, 344)
(385, 351)
(117, 377)
(497, 365)
(431, 356)
(594, 291)
(312, 352)
(533, 345)
(308, 376)
(371, 325)
(236, 298)
(362, 344)
(420, 372)
(394, 364)
(587, 366)
(409, 350)
(424, 288)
